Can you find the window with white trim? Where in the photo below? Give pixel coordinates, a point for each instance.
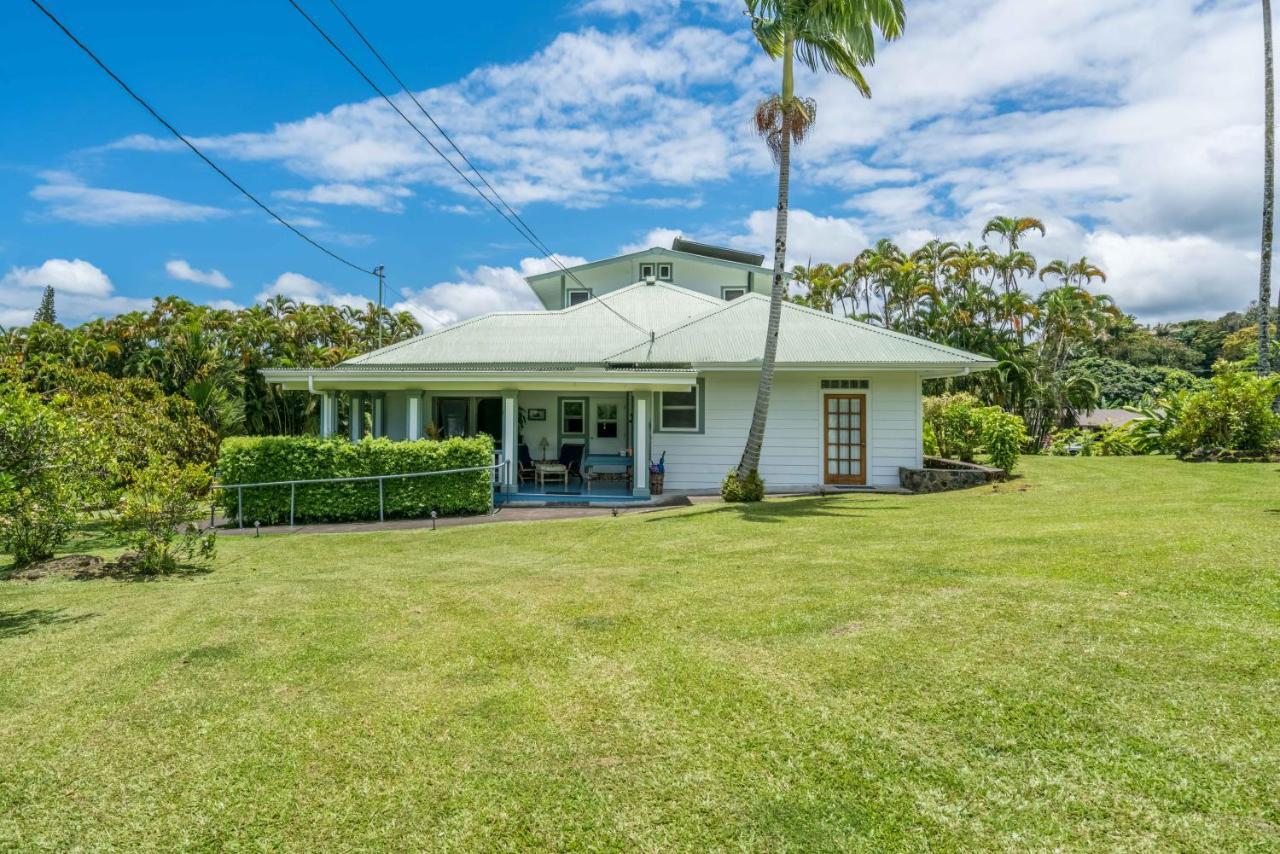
(573, 417)
(664, 272)
(678, 411)
(647, 271)
(577, 296)
(846, 384)
(732, 293)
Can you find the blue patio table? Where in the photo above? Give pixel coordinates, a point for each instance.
(590, 461)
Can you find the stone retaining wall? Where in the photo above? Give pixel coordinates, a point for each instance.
(941, 475)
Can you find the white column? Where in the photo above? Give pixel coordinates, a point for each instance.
(640, 446)
(510, 437)
(413, 417)
(355, 411)
(328, 413)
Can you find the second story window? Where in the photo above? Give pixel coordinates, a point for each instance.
(647, 271)
(732, 293)
(664, 272)
(577, 296)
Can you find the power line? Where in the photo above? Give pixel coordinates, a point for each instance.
(405, 88)
(516, 222)
(196, 150)
(189, 144)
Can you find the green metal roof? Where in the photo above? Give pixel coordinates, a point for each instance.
(662, 325)
(735, 334)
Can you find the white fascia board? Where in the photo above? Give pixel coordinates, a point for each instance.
(331, 380)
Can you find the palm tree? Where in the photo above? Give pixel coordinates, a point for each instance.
(1268, 197)
(837, 36)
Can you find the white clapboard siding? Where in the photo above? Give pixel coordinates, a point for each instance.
(793, 438)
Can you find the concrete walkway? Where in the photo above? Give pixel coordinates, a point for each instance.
(504, 514)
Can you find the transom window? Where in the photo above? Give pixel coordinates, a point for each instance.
(846, 384)
(678, 411)
(577, 296)
(733, 293)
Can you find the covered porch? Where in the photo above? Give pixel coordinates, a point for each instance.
(575, 437)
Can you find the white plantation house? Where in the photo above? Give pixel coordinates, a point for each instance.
(649, 354)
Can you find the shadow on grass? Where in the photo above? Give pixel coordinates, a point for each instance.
(94, 534)
(776, 511)
(16, 623)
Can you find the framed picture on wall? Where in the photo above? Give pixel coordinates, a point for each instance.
(536, 414)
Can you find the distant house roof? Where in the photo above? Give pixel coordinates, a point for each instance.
(662, 325)
(1105, 418)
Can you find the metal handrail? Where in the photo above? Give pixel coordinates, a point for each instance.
(294, 484)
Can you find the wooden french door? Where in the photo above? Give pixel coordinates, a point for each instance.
(844, 443)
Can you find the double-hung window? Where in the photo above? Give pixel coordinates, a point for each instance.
(573, 417)
(678, 411)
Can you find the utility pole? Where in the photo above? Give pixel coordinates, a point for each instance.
(378, 271)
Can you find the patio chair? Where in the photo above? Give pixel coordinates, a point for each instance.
(571, 459)
(524, 463)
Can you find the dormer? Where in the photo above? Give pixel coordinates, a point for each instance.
(712, 270)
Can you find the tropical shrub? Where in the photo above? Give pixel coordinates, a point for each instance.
(265, 459)
(961, 427)
(46, 475)
(1003, 436)
(1235, 413)
(955, 423)
(156, 516)
(1106, 441)
(741, 491)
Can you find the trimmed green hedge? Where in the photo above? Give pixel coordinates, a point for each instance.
(258, 459)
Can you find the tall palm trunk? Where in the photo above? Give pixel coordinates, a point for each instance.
(1268, 198)
(759, 416)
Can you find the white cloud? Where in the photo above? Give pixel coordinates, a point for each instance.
(184, 272)
(382, 197)
(478, 291)
(660, 237)
(984, 107)
(81, 291)
(810, 237)
(581, 122)
(67, 197)
(1171, 278)
(300, 288)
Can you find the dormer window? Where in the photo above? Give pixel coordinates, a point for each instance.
(576, 296)
(648, 271)
(732, 293)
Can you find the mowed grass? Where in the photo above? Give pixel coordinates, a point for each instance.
(1086, 657)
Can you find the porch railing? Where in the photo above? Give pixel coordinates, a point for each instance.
(498, 466)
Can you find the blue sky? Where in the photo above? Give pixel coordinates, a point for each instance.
(1132, 127)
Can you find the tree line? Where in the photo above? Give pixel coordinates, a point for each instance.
(212, 357)
(1065, 350)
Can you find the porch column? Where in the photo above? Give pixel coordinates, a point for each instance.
(413, 417)
(379, 409)
(640, 446)
(509, 438)
(355, 413)
(328, 414)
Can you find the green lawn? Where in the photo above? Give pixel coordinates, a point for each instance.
(1087, 657)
